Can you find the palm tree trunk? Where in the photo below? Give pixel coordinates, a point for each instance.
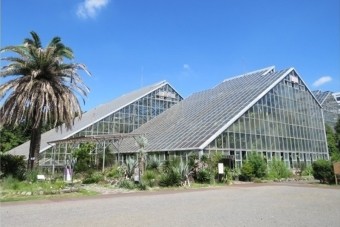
(33, 159)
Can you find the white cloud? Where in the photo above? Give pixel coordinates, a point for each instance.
(322, 80)
(90, 8)
(186, 67)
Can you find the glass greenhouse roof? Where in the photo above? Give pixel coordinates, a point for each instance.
(321, 95)
(196, 121)
(89, 118)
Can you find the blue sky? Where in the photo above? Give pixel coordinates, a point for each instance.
(193, 44)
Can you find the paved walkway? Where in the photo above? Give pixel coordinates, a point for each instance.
(237, 205)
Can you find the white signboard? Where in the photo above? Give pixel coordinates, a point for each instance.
(220, 168)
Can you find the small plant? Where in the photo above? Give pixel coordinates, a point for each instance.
(170, 178)
(153, 163)
(115, 172)
(129, 167)
(203, 176)
(31, 176)
(92, 178)
(228, 175)
(307, 171)
(127, 184)
(150, 178)
(141, 186)
(236, 173)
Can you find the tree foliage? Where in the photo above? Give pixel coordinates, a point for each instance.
(11, 137)
(13, 165)
(42, 89)
(82, 156)
(333, 141)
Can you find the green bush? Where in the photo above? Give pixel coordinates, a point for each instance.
(323, 171)
(129, 167)
(31, 176)
(83, 157)
(278, 170)
(150, 178)
(247, 172)
(203, 176)
(93, 178)
(115, 172)
(13, 165)
(254, 167)
(127, 184)
(307, 171)
(228, 175)
(141, 186)
(170, 178)
(153, 164)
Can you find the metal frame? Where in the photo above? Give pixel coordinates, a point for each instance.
(112, 139)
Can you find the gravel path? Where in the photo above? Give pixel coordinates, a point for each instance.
(237, 205)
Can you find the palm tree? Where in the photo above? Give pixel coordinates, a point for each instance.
(42, 88)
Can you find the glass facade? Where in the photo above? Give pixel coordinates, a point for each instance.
(330, 110)
(125, 120)
(286, 123)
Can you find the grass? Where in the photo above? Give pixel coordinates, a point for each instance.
(79, 194)
(14, 190)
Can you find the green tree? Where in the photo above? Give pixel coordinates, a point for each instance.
(12, 137)
(337, 133)
(331, 141)
(82, 156)
(12, 165)
(43, 88)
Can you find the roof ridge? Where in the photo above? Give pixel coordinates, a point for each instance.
(267, 70)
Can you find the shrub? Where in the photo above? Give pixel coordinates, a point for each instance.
(31, 176)
(323, 171)
(130, 166)
(254, 167)
(83, 157)
(278, 170)
(203, 176)
(228, 175)
(127, 184)
(150, 178)
(92, 178)
(247, 171)
(307, 171)
(153, 163)
(141, 186)
(115, 172)
(13, 165)
(170, 178)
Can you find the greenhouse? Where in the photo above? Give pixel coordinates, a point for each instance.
(116, 118)
(329, 105)
(267, 111)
